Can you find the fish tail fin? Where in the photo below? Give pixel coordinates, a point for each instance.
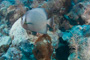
(50, 22)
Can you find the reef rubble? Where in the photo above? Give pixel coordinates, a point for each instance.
(69, 40)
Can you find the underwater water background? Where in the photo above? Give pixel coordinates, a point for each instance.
(64, 33)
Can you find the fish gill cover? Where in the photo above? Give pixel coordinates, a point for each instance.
(51, 30)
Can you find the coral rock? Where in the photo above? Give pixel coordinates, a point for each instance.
(78, 39)
(18, 33)
(12, 54)
(16, 11)
(5, 42)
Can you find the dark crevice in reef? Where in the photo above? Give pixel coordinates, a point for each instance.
(62, 52)
(62, 29)
(80, 21)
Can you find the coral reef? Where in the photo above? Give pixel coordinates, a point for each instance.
(13, 54)
(78, 13)
(27, 50)
(69, 39)
(17, 33)
(4, 30)
(78, 40)
(4, 43)
(15, 12)
(3, 8)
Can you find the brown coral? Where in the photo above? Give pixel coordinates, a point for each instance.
(43, 48)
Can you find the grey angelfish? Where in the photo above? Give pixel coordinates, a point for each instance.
(36, 20)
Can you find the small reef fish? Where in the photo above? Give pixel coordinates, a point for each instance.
(36, 20)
